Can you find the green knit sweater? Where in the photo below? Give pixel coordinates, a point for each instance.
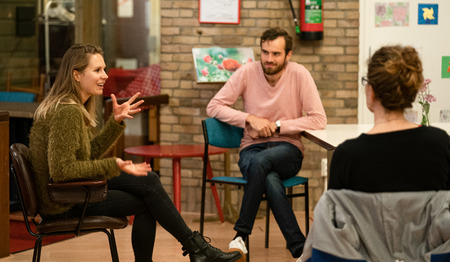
(62, 148)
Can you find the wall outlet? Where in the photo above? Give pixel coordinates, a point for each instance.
(324, 167)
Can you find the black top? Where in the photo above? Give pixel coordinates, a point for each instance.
(415, 159)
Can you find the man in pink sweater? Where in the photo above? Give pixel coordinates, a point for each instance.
(280, 100)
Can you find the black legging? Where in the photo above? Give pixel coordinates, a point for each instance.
(145, 198)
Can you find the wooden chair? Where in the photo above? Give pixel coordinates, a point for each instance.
(82, 192)
(223, 135)
(37, 86)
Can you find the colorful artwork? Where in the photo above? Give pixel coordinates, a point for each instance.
(216, 64)
(428, 14)
(446, 67)
(444, 115)
(392, 14)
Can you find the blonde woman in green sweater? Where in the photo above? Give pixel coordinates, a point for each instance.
(64, 149)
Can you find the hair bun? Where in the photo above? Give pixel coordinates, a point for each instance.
(395, 73)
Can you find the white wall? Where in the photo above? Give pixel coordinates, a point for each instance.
(431, 41)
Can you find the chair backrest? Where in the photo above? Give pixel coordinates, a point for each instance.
(33, 93)
(23, 172)
(360, 226)
(17, 97)
(220, 134)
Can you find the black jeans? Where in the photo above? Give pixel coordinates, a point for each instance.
(145, 198)
(264, 166)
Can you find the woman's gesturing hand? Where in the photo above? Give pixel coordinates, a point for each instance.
(129, 167)
(127, 109)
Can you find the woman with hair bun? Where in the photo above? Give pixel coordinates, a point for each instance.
(395, 155)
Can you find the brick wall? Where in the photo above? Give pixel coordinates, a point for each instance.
(333, 63)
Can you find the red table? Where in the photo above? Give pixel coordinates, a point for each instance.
(176, 152)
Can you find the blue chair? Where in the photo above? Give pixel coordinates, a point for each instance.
(17, 97)
(33, 93)
(220, 134)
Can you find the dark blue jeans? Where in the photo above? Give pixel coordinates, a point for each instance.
(264, 166)
(145, 198)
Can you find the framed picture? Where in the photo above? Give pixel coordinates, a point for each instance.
(219, 11)
(217, 64)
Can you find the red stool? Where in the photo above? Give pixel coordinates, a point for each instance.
(176, 152)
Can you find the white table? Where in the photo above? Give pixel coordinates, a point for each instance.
(333, 135)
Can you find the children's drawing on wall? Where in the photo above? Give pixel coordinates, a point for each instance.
(444, 115)
(216, 64)
(392, 14)
(428, 14)
(446, 67)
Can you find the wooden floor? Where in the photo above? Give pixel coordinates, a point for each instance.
(94, 247)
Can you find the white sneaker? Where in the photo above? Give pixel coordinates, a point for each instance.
(238, 243)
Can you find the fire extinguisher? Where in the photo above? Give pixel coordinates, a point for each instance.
(311, 19)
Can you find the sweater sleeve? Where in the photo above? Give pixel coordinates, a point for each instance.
(106, 138)
(220, 105)
(314, 114)
(69, 149)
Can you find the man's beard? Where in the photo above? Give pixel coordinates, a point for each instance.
(275, 70)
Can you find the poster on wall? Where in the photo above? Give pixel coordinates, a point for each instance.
(432, 43)
(125, 8)
(446, 67)
(428, 14)
(444, 115)
(219, 11)
(391, 14)
(217, 64)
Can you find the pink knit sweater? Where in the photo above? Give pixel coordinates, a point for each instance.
(294, 100)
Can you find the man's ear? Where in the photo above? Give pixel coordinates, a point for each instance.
(288, 56)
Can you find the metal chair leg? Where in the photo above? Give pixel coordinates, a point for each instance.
(202, 207)
(247, 245)
(307, 208)
(37, 249)
(266, 242)
(112, 245)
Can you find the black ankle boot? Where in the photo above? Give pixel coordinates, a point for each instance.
(200, 251)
